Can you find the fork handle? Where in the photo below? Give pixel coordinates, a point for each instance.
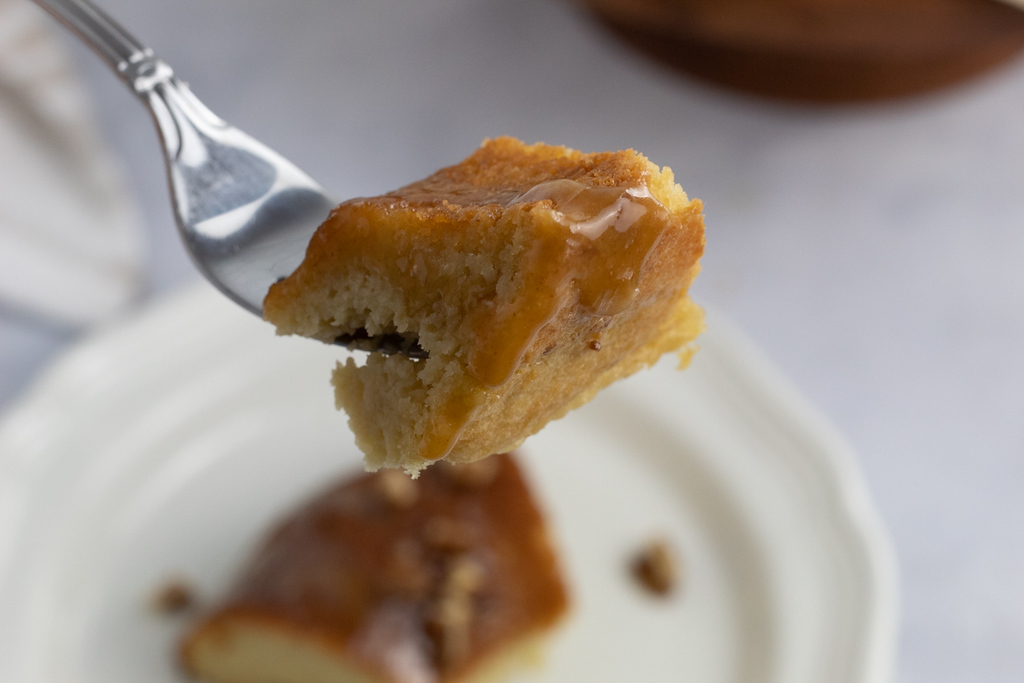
(181, 119)
(134, 63)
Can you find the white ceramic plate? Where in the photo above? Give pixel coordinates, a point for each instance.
(167, 445)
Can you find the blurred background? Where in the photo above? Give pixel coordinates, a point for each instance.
(871, 245)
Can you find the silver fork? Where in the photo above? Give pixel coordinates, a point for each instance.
(245, 213)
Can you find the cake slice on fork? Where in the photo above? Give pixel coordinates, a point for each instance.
(510, 288)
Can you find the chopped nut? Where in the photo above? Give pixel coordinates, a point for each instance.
(172, 597)
(475, 475)
(398, 488)
(448, 623)
(465, 575)
(655, 567)
(452, 610)
(444, 533)
(595, 345)
(450, 615)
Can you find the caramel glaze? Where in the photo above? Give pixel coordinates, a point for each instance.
(590, 244)
(592, 247)
(357, 571)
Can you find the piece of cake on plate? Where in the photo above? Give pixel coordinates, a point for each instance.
(449, 578)
(513, 286)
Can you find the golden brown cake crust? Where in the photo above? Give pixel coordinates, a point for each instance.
(479, 189)
(496, 173)
(365, 571)
(506, 268)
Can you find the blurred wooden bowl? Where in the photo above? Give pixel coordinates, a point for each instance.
(821, 50)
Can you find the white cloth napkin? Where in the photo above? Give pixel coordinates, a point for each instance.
(70, 244)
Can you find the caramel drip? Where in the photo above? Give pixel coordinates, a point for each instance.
(449, 424)
(504, 332)
(610, 232)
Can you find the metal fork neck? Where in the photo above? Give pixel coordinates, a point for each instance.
(134, 63)
(244, 212)
(144, 72)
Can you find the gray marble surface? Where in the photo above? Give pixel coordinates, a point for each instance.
(875, 253)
